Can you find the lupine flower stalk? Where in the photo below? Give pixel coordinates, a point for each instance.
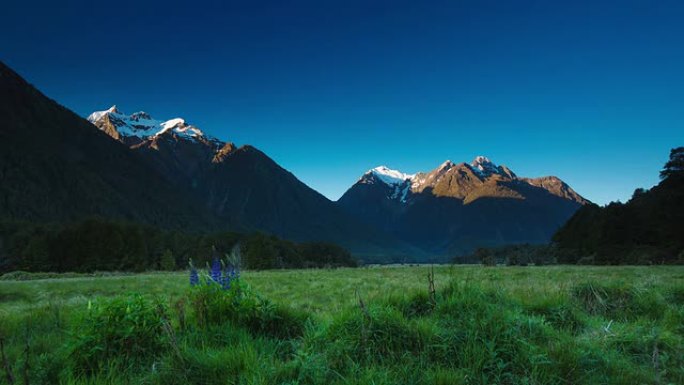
(215, 271)
(219, 272)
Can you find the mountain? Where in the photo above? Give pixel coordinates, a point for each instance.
(457, 207)
(244, 188)
(54, 166)
(58, 167)
(649, 228)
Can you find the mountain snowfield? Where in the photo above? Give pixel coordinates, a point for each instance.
(141, 125)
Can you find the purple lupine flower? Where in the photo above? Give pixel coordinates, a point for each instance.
(194, 277)
(215, 271)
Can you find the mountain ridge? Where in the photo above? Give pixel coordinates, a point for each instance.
(242, 186)
(55, 165)
(459, 206)
(480, 169)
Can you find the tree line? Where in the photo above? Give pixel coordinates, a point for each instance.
(104, 245)
(511, 255)
(648, 229)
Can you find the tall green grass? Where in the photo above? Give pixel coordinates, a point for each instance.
(534, 325)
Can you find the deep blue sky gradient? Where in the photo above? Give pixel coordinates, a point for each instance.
(590, 91)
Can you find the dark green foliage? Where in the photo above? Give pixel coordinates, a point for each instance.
(520, 255)
(167, 262)
(127, 329)
(242, 307)
(268, 252)
(97, 244)
(649, 229)
(674, 166)
(485, 256)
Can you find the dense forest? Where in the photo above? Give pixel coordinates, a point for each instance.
(97, 244)
(648, 229)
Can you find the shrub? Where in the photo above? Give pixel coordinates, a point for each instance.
(167, 261)
(127, 329)
(239, 306)
(485, 256)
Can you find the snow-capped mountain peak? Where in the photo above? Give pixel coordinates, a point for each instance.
(141, 125)
(389, 176)
(97, 115)
(446, 165)
(483, 166)
(398, 182)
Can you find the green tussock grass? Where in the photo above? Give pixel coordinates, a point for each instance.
(505, 325)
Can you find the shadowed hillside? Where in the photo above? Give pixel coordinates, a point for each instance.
(647, 229)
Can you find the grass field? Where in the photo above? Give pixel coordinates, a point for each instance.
(503, 325)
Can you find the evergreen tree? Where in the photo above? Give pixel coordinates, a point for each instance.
(675, 166)
(167, 262)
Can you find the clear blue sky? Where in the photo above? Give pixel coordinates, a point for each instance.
(592, 92)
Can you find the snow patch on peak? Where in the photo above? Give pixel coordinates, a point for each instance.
(484, 166)
(397, 181)
(97, 115)
(389, 176)
(446, 165)
(480, 160)
(141, 125)
(172, 123)
(180, 128)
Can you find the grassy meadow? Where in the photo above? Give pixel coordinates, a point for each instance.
(375, 325)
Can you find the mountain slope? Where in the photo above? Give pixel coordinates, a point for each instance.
(242, 186)
(54, 166)
(457, 207)
(649, 228)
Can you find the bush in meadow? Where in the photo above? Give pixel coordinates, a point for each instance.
(128, 330)
(224, 298)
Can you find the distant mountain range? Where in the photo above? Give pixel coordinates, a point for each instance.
(457, 207)
(56, 166)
